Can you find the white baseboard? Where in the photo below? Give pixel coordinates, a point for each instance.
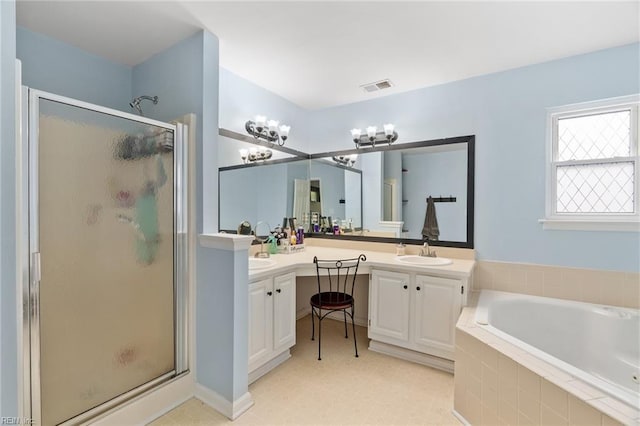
(232, 410)
(460, 418)
(336, 316)
(303, 312)
(149, 406)
(268, 366)
(413, 356)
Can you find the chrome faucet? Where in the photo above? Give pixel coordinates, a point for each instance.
(426, 251)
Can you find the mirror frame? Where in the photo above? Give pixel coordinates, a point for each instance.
(298, 155)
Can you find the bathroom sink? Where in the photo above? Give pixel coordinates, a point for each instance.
(257, 263)
(424, 261)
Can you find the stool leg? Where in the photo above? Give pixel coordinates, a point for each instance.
(354, 331)
(344, 311)
(313, 327)
(319, 333)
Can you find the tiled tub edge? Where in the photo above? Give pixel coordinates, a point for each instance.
(497, 383)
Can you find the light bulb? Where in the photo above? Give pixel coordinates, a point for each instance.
(388, 129)
(371, 132)
(272, 125)
(261, 120)
(244, 153)
(355, 133)
(353, 158)
(253, 151)
(284, 131)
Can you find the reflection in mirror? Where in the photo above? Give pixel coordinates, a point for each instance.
(262, 193)
(412, 176)
(233, 152)
(335, 197)
(301, 197)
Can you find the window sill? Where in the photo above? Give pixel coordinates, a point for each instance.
(632, 225)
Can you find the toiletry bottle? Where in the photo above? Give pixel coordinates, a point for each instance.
(293, 239)
(300, 234)
(273, 245)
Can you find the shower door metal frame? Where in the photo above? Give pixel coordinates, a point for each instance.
(30, 255)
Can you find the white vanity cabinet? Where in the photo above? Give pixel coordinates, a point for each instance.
(414, 312)
(272, 323)
(389, 306)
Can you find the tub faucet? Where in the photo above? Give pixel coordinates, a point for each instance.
(426, 251)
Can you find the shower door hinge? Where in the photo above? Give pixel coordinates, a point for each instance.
(35, 267)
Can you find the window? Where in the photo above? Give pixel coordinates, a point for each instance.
(592, 172)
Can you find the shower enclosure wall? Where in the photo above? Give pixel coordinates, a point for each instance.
(107, 249)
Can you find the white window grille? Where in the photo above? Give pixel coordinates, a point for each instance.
(592, 173)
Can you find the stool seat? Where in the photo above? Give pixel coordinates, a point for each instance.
(331, 300)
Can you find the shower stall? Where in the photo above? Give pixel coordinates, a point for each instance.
(105, 257)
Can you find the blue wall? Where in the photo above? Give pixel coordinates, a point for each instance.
(57, 67)
(185, 79)
(242, 100)
(507, 113)
(8, 320)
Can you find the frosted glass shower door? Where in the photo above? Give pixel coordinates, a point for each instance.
(104, 225)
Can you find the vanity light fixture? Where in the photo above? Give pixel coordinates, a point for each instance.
(269, 130)
(346, 160)
(252, 155)
(373, 136)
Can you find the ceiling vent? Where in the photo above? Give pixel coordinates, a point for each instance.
(378, 85)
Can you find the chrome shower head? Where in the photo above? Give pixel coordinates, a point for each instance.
(135, 103)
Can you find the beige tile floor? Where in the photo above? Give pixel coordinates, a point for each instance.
(373, 389)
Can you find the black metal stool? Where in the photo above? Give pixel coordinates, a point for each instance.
(341, 276)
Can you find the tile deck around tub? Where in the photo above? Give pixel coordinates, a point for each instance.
(612, 410)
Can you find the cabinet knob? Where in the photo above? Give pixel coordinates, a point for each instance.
(278, 290)
(418, 288)
(269, 293)
(404, 286)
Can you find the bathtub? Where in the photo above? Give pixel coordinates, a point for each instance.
(597, 344)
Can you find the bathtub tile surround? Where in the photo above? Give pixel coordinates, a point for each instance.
(499, 383)
(584, 285)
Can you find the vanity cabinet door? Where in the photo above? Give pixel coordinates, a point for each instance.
(437, 304)
(260, 321)
(389, 306)
(284, 311)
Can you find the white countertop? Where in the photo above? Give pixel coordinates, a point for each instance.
(302, 263)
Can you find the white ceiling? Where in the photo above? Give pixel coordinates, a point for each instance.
(317, 54)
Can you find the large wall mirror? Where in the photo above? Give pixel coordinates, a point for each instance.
(411, 192)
